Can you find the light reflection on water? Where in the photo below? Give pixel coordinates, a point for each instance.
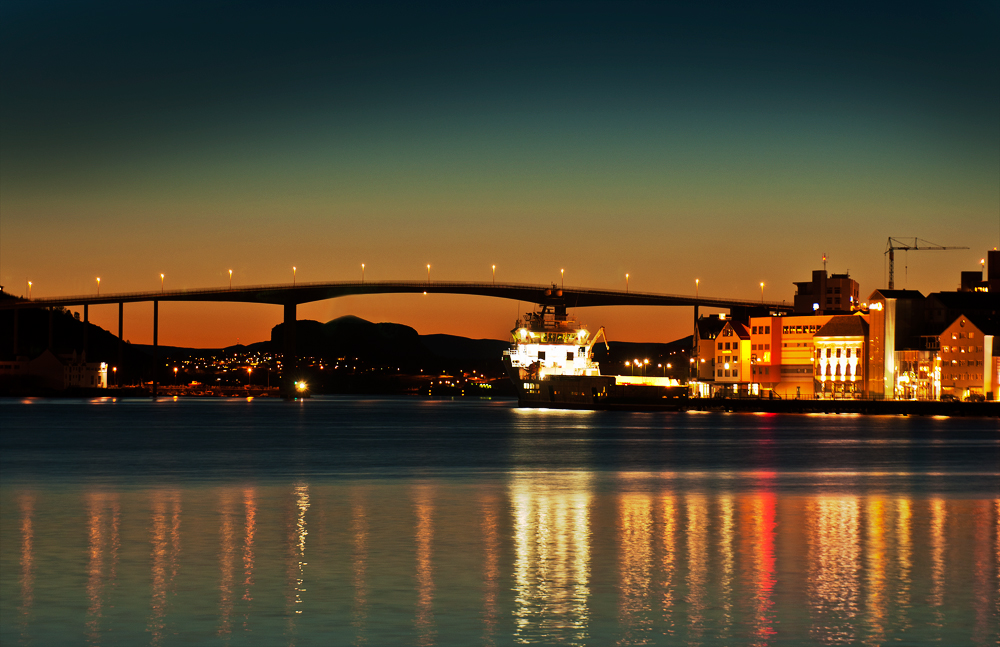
(697, 567)
(401, 523)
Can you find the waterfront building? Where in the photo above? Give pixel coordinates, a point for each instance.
(841, 358)
(55, 372)
(732, 357)
(834, 294)
(968, 361)
(896, 322)
(782, 354)
(707, 328)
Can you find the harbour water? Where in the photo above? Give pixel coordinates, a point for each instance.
(401, 521)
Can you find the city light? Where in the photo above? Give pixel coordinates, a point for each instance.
(230, 279)
(362, 272)
(98, 286)
(29, 289)
(494, 275)
(300, 386)
(626, 282)
(696, 282)
(161, 282)
(762, 292)
(293, 275)
(428, 274)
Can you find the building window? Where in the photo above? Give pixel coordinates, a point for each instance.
(838, 352)
(727, 345)
(720, 345)
(753, 330)
(767, 330)
(720, 372)
(569, 357)
(736, 372)
(541, 355)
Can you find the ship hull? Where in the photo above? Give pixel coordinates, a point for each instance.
(599, 392)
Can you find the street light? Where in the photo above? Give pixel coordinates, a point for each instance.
(29, 289)
(98, 286)
(562, 274)
(428, 273)
(626, 283)
(362, 272)
(627, 364)
(161, 282)
(762, 292)
(249, 375)
(114, 372)
(494, 275)
(230, 279)
(175, 376)
(696, 282)
(293, 275)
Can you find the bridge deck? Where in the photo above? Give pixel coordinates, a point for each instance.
(288, 294)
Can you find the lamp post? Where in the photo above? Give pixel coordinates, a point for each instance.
(230, 279)
(362, 272)
(428, 274)
(645, 363)
(98, 286)
(29, 289)
(114, 372)
(762, 292)
(249, 375)
(626, 283)
(161, 282)
(293, 275)
(562, 278)
(494, 275)
(628, 364)
(175, 376)
(696, 282)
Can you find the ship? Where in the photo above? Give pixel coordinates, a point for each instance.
(551, 364)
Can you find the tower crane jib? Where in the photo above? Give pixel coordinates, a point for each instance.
(904, 244)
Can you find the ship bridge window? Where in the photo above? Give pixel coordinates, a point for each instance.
(569, 357)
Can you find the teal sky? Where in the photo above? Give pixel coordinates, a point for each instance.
(730, 144)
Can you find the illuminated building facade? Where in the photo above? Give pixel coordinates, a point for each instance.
(732, 356)
(841, 356)
(968, 367)
(782, 354)
(703, 361)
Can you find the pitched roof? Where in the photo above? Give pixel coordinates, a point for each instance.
(844, 326)
(740, 330)
(896, 294)
(710, 327)
(967, 300)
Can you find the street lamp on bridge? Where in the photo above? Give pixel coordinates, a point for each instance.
(293, 275)
(494, 275)
(762, 292)
(161, 282)
(428, 273)
(696, 282)
(29, 289)
(230, 279)
(626, 283)
(98, 286)
(362, 272)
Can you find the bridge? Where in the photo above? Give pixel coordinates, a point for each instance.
(291, 295)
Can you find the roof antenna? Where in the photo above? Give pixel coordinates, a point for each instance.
(824, 263)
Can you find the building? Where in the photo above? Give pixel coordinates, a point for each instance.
(732, 358)
(703, 361)
(841, 357)
(782, 354)
(896, 322)
(968, 364)
(834, 294)
(54, 372)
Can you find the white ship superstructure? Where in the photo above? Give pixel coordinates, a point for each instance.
(550, 343)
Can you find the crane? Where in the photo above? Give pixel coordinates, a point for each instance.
(905, 245)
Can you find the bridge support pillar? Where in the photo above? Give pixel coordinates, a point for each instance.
(695, 370)
(121, 341)
(86, 331)
(52, 328)
(16, 312)
(289, 360)
(156, 346)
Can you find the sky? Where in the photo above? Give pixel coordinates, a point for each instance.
(728, 143)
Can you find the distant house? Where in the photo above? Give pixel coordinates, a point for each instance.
(54, 372)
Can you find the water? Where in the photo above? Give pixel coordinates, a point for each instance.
(393, 521)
